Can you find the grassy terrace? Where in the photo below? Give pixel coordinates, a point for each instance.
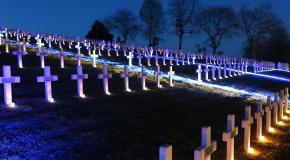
(123, 126)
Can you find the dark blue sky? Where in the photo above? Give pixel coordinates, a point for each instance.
(74, 17)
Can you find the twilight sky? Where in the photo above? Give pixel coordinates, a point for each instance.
(74, 17)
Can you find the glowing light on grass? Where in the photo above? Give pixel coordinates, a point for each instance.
(263, 139)
(51, 100)
(270, 77)
(281, 123)
(252, 151)
(254, 95)
(272, 130)
(282, 70)
(12, 105)
(174, 77)
(285, 117)
(82, 96)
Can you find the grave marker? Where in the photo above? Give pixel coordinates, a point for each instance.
(158, 77)
(246, 124)
(19, 55)
(126, 76)
(207, 147)
(198, 71)
(229, 135)
(61, 56)
(259, 120)
(130, 58)
(80, 77)
(7, 80)
(42, 54)
(105, 76)
(143, 76)
(47, 79)
(165, 152)
(170, 74)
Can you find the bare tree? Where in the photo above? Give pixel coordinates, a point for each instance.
(217, 22)
(125, 23)
(153, 17)
(256, 24)
(181, 12)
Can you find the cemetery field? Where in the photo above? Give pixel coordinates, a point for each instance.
(122, 126)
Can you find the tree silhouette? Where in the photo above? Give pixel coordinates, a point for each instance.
(277, 46)
(181, 12)
(99, 32)
(153, 17)
(217, 23)
(256, 24)
(125, 23)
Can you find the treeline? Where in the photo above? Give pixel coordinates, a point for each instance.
(266, 36)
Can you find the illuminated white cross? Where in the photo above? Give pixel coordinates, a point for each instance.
(78, 47)
(105, 76)
(125, 51)
(156, 57)
(199, 71)
(239, 69)
(281, 105)
(130, 57)
(109, 49)
(148, 56)
(1, 36)
(19, 55)
(158, 77)
(176, 59)
(219, 72)
(229, 137)
(139, 56)
(193, 59)
(59, 43)
(126, 75)
(61, 56)
(230, 70)
(165, 152)
(259, 123)
(206, 70)
(225, 70)
(188, 59)
(171, 59)
(246, 124)
(213, 72)
(268, 109)
(79, 58)
(49, 41)
(234, 68)
(42, 54)
(246, 67)
(275, 109)
(80, 77)
(165, 56)
(143, 76)
(170, 74)
(7, 80)
(39, 44)
(6, 46)
(94, 57)
(47, 79)
(207, 147)
(23, 44)
(183, 59)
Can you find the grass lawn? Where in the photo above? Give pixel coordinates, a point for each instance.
(123, 126)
